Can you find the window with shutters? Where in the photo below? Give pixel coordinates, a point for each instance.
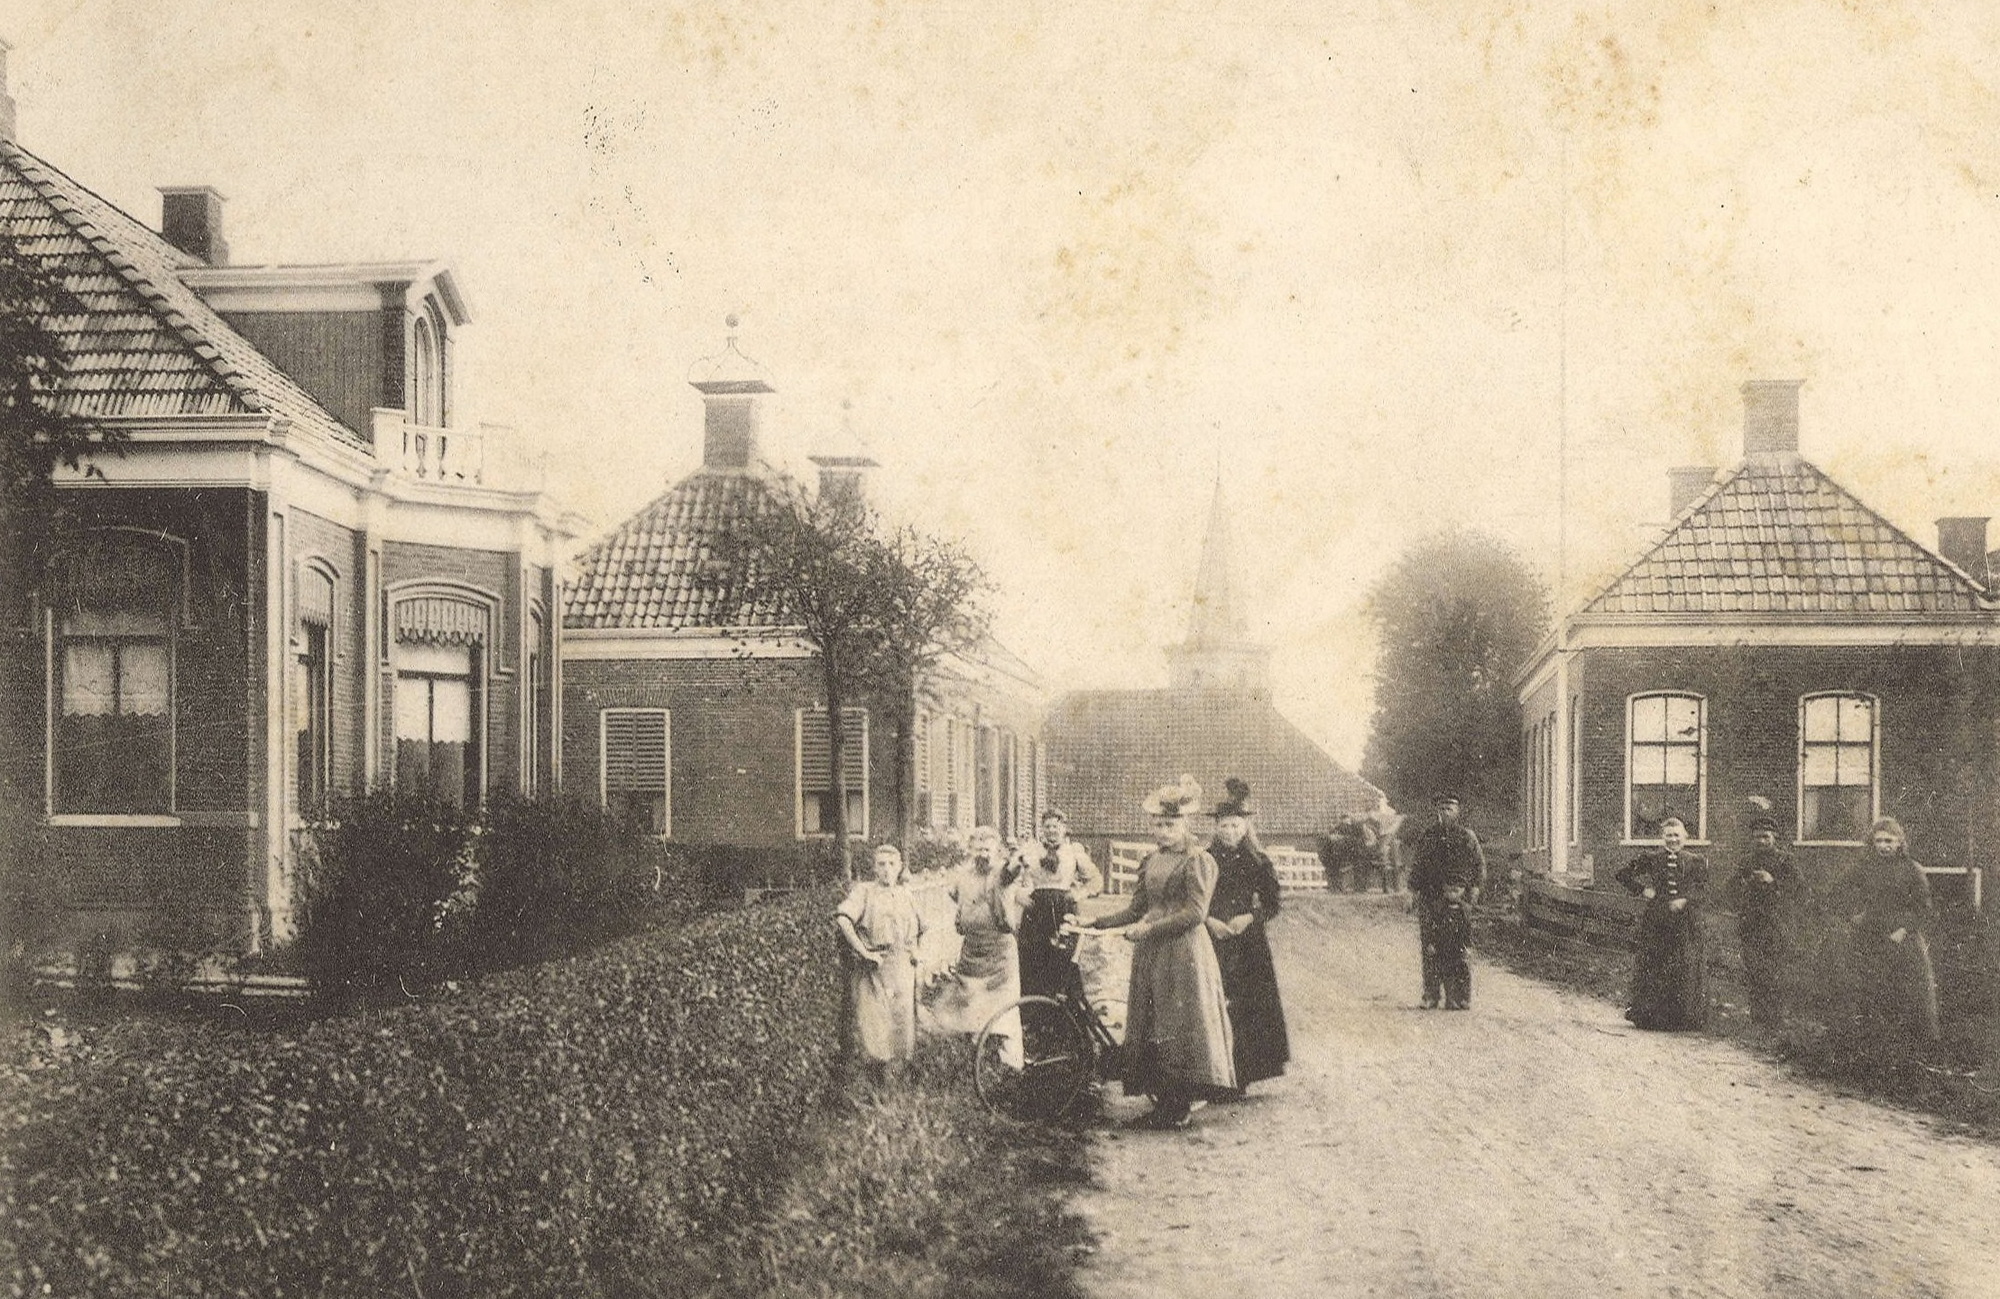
(1837, 768)
(635, 764)
(815, 771)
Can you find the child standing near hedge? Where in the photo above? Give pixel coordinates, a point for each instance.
(882, 926)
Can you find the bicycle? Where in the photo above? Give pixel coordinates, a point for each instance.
(1066, 1045)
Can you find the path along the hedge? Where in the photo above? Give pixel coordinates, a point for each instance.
(1537, 1146)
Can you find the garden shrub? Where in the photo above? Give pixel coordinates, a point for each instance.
(376, 889)
(559, 874)
(571, 1129)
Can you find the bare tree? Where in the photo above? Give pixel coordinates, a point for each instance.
(878, 608)
(934, 597)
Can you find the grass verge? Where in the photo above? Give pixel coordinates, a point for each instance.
(1958, 1080)
(915, 1191)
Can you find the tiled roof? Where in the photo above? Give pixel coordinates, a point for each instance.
(143, 343)
(1777, 536)
(658, 571)
(1108, 749)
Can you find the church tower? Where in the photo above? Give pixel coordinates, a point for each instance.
(1218, 653)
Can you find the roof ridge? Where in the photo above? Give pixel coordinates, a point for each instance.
(134, 277)
(1977, 589)
(1819, 503)
(1679, 521)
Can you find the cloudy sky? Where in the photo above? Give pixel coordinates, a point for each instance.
(1052, 264)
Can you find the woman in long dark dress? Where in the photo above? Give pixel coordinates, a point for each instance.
(1245, 898)
(1885, 975)
(1669, 983)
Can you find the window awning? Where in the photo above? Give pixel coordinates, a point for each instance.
(440, 620)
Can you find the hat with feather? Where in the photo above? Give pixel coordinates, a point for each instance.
(1174, 800)
(1237, 803)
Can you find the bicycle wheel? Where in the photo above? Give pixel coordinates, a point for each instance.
(1038, 1075)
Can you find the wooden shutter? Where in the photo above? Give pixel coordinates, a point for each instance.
(635, 750)
(816, 751)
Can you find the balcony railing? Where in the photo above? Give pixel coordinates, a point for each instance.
(436, 455)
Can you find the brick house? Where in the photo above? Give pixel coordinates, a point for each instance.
(296, 581)
(710, 725)
(1781, 640)
(1108, 749)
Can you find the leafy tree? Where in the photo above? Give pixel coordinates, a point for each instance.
(37, 435)
(878, 608)
(1456, 615)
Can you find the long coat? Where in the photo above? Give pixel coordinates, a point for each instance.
(1886, 987)
(1177, 1035)
(1669, 974)
(1247, 884)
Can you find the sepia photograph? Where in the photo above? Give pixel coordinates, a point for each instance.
(1120, 649)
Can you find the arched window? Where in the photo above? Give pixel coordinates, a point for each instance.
(1838, 785)
(1666, 762)
(440, 700)
(427, 375)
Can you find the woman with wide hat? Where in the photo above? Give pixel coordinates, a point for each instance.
(1177, 1042)
(1246, 897)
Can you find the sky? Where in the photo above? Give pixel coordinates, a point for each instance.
(1383, 268)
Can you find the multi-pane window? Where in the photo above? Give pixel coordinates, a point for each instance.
(636, 746)
(114, 729)
(815, 771)
(1837, 767)
(438, 711)
(1666, 743)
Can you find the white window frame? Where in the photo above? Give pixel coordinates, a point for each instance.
(799, 774)
(1874, 767)
(603, 770)
(1699, 833)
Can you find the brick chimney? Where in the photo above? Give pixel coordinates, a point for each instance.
(1963, 542)
(191, 220)
(1684, 483)
(843, 476)
(1771, 417)
(6, 100)
(732, 386)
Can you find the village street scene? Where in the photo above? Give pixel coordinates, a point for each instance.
(1115, 649)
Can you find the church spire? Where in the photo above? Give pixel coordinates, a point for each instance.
(1218, 651)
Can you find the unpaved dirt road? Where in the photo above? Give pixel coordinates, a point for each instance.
(1536, 1146)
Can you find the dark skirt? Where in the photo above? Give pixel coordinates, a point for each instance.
(1048, 956)
(1669, 975)
(1256, 1016)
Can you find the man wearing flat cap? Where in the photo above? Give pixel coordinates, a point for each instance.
(1446, 865)
(1764, 891)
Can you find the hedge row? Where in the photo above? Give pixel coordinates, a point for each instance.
(566, 1129)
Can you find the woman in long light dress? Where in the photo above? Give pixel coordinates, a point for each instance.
(882, 927)
(987, 895)
(1178, 1047)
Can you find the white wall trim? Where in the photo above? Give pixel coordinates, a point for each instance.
(1975, 630)
(588, 645)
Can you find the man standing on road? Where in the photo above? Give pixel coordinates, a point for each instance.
(1446, 867)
